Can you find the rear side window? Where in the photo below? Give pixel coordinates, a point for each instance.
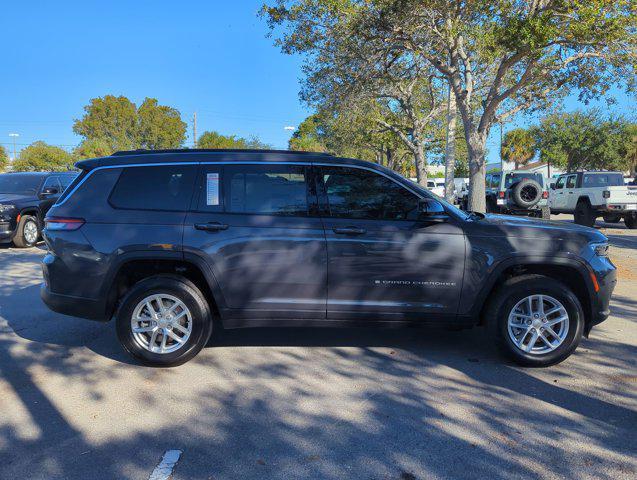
(66, 180)
(167, 187)
(266, 189)
(603, 180)
(76, 181)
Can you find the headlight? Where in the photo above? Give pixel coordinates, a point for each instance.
(600, 249)
(6, 208)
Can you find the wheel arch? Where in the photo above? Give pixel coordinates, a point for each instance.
(573, 273)
(132, 268)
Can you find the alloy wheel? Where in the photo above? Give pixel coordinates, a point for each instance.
(161, 323)
(538, 324)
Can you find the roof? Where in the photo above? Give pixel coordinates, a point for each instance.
(42, 174)
(145, 157)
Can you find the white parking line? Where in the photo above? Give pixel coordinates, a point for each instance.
(164, 470)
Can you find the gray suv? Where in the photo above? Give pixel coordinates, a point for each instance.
(176, 244)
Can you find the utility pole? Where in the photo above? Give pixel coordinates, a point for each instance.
(194, 129)
(14, 135)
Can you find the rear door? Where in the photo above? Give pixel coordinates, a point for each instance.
(384, 262)
(255, 227)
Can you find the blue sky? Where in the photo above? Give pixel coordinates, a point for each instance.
(211, 57)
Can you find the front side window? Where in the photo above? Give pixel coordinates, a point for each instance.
(166, 187)
(266, 189)
(560, 183)
(571, 181)
(362, 194)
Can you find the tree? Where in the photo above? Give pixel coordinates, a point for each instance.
(505, 57)
(307, 136)
(159, 126)
(214, 139)
(346, 66)
(111, 119)
(122, 126)
(630, 147)
(4, 159)
(93, 148)
(39, 156)
(500, 57)
(583, 140)
(518, 146)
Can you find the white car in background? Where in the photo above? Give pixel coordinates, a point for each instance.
(437, 186)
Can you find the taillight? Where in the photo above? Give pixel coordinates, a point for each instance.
(545, 194)
(63, 223)
(501, 194)
(606, 194)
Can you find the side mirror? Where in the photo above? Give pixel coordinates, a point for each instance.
(432, 210)
(50, 191)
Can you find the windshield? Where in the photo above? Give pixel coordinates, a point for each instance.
(512, 178)
(19, 183)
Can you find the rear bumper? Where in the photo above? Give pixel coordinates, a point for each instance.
(73, 306)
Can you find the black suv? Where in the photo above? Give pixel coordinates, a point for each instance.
(25, 197)
(174, 244)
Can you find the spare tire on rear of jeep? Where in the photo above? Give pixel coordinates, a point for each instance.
(526, 193)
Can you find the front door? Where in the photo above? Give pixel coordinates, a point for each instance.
(253, 225)
(384, 261)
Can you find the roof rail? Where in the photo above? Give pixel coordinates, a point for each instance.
(142, 151)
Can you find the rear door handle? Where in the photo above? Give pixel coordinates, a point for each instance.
(211, 226)
(349, 230)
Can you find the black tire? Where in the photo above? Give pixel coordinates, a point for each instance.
(612, 217)
(21, 238)
(526, 193)
(516, 289)
(492, 206)
(546, 213)
(631, 221)
(188, 293)
(584, 214)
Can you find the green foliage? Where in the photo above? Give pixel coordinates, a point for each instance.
(518, 146)
(159, 126)
(216, 140)
(92, 148)
(308, 137)
(112, 119)
(585, 140)
(122, 126)
(4, 159)
(39, 156)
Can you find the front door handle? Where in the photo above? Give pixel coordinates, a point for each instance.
(349, 230)
(211, 226)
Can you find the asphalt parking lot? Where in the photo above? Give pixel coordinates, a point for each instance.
(294, 403)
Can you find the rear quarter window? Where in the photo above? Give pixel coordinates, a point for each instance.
(166, 188)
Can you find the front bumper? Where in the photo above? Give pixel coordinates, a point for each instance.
(606, 275)
(7, 231)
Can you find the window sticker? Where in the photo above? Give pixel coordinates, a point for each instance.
(212, 189)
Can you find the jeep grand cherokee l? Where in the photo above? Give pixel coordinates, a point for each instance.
(25, 197)
(175, 244)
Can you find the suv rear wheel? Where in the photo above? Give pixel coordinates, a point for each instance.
(27, 232)
(164, 321)
(538, 321)
(631, 220)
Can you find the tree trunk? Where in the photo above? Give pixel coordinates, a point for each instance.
(450, 151)
(477, 171)
(421, 164)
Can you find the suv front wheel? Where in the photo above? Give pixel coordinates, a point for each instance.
(164, 321)
(538, 321)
